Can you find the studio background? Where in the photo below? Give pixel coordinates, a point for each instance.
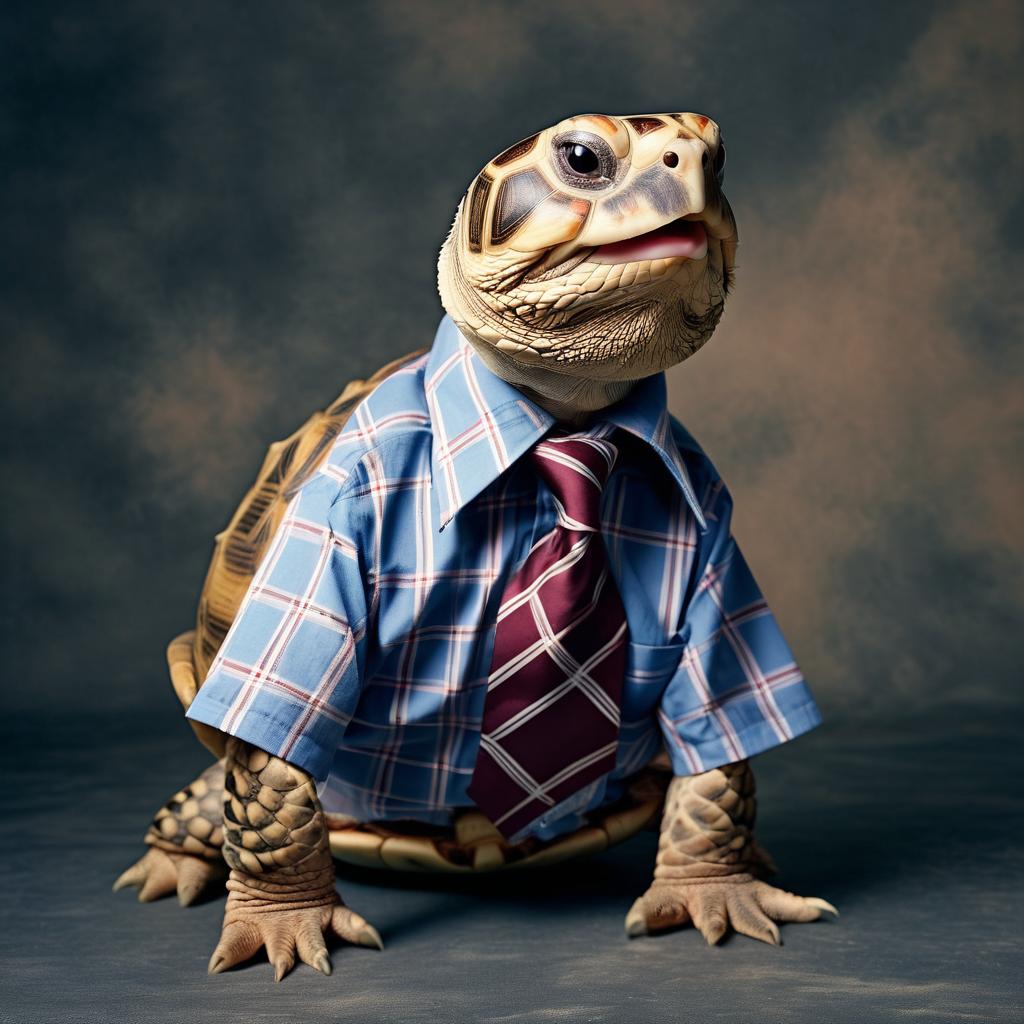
(214, 215)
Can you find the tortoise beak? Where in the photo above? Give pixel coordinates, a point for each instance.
(681, 238)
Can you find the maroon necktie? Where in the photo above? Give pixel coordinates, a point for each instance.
(551, 718)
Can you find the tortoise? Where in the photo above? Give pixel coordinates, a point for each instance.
(471, 843)
(582, 261)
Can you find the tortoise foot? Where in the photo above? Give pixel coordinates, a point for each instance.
(288, 935)
(713, 905)
(159, 873)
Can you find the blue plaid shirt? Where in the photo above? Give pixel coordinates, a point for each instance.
(362, 648)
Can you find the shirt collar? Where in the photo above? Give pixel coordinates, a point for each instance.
(482, 424)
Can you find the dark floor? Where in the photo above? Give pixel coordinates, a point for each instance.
(913, 833)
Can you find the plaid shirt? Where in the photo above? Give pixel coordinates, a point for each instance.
(362, 649)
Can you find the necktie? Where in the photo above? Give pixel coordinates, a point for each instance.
(551, 717)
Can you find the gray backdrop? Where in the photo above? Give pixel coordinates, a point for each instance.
(216, 214)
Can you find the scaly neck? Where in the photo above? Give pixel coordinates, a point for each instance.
(570, 400)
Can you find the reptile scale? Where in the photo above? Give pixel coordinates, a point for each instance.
(582, 260)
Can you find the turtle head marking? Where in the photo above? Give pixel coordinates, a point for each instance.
(601, 247)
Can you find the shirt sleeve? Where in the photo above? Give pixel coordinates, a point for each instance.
(737, 690)
(288, 674)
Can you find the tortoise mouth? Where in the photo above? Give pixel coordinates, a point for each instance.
(684, 239)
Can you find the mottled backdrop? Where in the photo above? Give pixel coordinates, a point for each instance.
(213, 215)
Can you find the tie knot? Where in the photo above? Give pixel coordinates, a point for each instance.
(575, 467)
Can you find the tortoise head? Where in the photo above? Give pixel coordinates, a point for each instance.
(601, 248)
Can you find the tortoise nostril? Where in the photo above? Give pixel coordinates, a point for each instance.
(670, 159)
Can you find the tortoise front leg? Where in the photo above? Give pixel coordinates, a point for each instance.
(281, 890)
(709, 867)
(184, 841)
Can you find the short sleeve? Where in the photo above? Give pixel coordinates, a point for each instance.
(737, 690)
(288, 675)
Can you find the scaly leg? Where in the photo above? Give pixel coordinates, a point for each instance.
(708, 864)
(184, 841)
(281, 888)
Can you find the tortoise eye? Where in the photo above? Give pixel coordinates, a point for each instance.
(584, 160)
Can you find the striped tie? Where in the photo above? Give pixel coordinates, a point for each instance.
(551, 718)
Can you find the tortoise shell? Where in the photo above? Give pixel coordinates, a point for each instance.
(472, 843)
(239, 548)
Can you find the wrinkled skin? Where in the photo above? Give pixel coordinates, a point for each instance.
(281, 886)
(710, 870)
(537, 306)
(281, 891)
